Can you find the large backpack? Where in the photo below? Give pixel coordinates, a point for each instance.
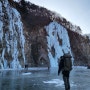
(67, 64)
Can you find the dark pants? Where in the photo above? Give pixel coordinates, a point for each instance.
(66, 79)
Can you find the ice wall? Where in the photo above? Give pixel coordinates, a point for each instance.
(58, 42)
(11, 37)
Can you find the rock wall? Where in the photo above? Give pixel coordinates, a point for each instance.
(46, 37)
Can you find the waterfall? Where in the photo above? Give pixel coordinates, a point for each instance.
(11, 37)
(57, 42)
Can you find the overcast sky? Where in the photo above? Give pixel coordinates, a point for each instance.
(75, 11)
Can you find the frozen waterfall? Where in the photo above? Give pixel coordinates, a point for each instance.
(11, 37)
(58, 42)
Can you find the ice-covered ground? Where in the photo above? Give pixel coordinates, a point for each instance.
(42, 79)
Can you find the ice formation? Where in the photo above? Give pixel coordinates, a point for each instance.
(11, 37)
(58, 42)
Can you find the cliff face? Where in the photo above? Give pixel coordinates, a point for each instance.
(81, 48)
(46, 37)
(11, 37)
(36, 35)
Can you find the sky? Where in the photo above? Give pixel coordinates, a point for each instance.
(75, 11)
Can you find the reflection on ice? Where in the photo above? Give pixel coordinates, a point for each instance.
(53, 70)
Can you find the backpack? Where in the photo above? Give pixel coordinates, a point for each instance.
(67, 64)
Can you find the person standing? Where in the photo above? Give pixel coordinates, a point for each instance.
(26, 67)
(65, 65)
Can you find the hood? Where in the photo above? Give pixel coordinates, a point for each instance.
(67, 55)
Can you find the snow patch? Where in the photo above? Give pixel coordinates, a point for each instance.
(79, 67)
(58, 83)
(29, 73)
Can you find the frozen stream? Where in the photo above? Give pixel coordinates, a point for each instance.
(42, 79)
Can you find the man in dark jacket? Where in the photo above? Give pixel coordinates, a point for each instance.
(65, 66)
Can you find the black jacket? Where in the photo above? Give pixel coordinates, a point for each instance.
(61, 64)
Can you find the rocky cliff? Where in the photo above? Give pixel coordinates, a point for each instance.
(46, 37)
(35, 19)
